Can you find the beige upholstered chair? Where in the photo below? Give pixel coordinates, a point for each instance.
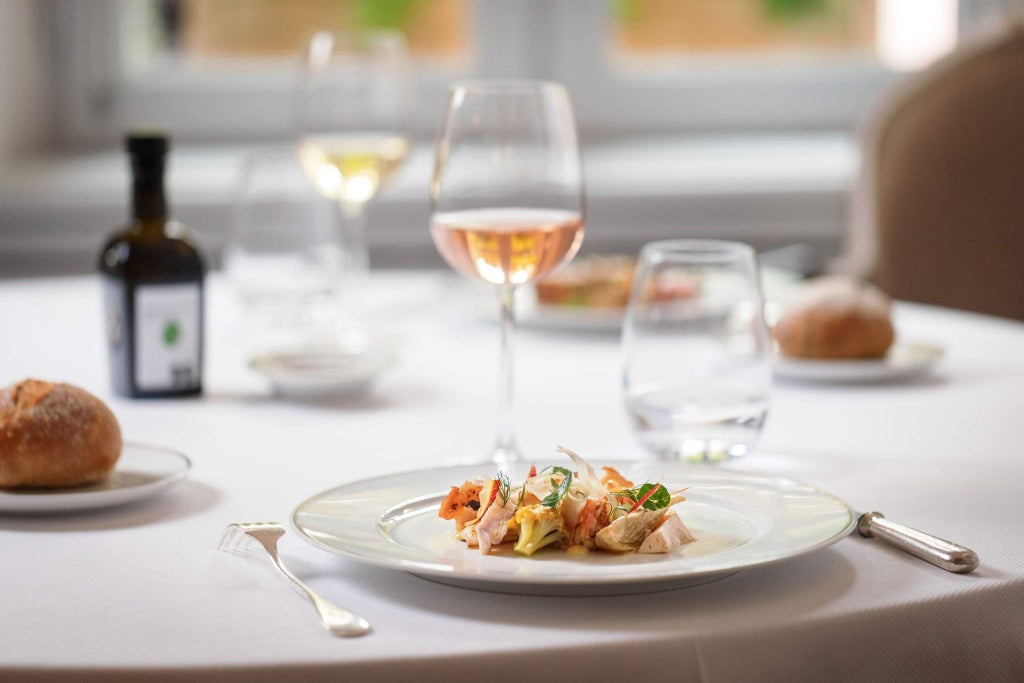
(938, 215)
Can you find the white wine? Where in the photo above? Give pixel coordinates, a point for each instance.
(507, 245)
(350, 168)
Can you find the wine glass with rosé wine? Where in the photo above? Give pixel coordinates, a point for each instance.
(507, 201)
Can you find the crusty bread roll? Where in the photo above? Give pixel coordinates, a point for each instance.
(55, 435)
(836, 318)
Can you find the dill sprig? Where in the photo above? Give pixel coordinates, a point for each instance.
(504, 488)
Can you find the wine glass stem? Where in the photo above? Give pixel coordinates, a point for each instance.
(354, 214)
(505, 449)
(356, 260)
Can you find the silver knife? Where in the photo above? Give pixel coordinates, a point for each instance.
(941, 553)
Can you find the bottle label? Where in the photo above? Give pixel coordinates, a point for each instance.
(113, 312)
(167, 336)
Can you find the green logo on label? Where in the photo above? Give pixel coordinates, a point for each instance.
(172, 332)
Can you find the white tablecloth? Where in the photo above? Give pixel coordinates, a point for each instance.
(141, 591)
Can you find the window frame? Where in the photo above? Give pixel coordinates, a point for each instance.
(97, 99)
(705, 93)
(564, 41)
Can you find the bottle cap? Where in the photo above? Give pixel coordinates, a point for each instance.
(147, 145)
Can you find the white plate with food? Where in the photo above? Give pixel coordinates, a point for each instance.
(587, 294)
(738, 521)
(904, 361)
(320, 373)
(141, 472)
(591, 294)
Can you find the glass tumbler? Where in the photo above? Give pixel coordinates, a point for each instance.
(697, 352)
(285, 255)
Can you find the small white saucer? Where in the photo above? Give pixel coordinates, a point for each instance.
(141, 472)
(905, 361)
(318, 373)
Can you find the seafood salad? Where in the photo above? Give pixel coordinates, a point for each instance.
(572, 509)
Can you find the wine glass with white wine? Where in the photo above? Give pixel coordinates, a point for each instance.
(352, 109)
(507, 200)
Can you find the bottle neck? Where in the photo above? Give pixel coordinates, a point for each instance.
(149, 203)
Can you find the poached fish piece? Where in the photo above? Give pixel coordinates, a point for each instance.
(667, 536)
(626, 533)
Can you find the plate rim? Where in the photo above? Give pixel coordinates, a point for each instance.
(820, 370)
(449, 572)
(70, 499)
(568, 318)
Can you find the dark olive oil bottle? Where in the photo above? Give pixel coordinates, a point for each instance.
(152, 278)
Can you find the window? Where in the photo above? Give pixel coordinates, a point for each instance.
(204, 32)
(738, 64)
(216, 70)
(653, 27)
(210, 69)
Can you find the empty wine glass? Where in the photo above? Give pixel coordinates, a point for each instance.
(697, 374)
(507, 200)
(352, 108)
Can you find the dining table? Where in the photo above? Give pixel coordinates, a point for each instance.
(145, 591)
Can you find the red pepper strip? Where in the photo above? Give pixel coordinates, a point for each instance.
(644, 498)
(533, 471)
(494, 494)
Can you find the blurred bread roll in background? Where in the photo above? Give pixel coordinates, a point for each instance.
(55, 435)
(836, 318)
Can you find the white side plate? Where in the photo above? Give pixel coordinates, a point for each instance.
(740, 520)
(313, 374)
(141, 472)
(904, 361)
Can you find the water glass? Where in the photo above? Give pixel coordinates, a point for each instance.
(285, 256)
(697, 353)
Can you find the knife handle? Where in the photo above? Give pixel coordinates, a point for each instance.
(941, 553)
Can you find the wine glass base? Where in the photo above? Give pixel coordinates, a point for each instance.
(697, 451)
(506, 456)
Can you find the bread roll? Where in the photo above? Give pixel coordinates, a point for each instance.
(55, 435)
(836, 318)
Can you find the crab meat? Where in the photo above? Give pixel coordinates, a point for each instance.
(592, 518)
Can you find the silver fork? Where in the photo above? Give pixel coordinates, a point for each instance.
(337, 620)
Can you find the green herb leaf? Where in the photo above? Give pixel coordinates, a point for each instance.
(561, 488)
(659, 499)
